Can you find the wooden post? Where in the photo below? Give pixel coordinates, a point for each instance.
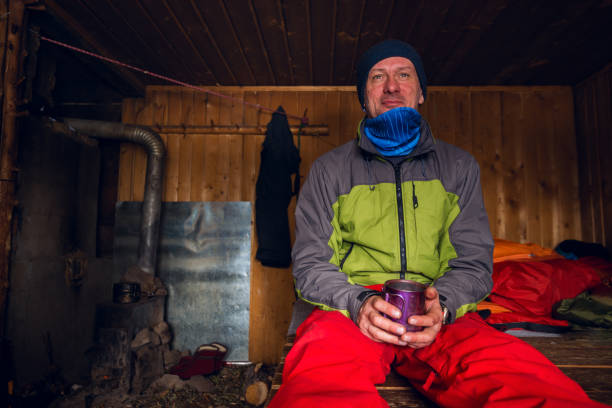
(8, 144)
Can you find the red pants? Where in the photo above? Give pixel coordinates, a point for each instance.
(332, 364)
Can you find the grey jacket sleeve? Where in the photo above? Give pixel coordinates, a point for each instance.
(318, 279)
(469, 279)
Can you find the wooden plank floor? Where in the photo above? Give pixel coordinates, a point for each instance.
(584, 356)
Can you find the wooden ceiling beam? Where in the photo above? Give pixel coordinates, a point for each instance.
(283, 42)
(356, 47)
(309, 36)
(320, 22)
(140, 24)
(432, 21)
(403, 19)
(333, 43)
(131, 78)
(347, 35)
(470, 37)
(262, 43)
(274, 40)
(374, 27)
(426, 24)
(237, 39)
(242, 21)
(460, 15)
(190, 41)
(212, 40)
(408, 28)
(504, 38)
(579, 52)
(283, 25)
(298, 35)
(109, 31)
(163, 36)
(158, 59)
(540, 49)
(385, 26)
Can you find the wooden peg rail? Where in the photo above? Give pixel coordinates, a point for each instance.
(308, 130)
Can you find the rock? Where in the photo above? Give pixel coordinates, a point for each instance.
(171, 358)
(201, 383)
(149, 285)
(76, 387)
(257, 393)
(148, 366)
(155, 339)
(77, 400)
(163, 331)
(145, 336)
(114, 398)
(167, 382)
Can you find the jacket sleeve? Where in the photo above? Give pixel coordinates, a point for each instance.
(467, 279)
(318, 279)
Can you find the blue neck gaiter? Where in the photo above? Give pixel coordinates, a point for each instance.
(395, 132)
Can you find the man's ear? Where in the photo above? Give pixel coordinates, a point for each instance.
(421, 99)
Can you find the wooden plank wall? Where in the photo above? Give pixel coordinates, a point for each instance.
(593, 99)
(523, 138)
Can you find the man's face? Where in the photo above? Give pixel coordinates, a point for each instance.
(392, 83)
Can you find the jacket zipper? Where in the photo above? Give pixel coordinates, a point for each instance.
(400, 215)
(415, 205)
(346, 255)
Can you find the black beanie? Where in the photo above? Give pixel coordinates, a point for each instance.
(386, 49)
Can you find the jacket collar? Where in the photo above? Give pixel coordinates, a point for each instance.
(425, 145)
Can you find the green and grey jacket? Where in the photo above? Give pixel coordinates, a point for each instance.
(361, 220)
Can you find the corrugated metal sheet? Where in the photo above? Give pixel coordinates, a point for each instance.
(204, 261)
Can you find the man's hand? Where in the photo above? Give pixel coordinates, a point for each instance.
(377, 327)
(431, 321)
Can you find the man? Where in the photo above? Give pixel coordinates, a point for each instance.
(396, 203)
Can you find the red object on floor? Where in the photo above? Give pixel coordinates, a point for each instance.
(532, 288)
(528, 290)
(207, 359)
(514, 317)
(332, 364)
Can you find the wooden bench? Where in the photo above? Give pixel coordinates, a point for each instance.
(584, 356)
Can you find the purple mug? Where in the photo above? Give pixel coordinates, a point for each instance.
(409, 297)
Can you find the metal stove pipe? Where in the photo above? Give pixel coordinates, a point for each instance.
(151, 206)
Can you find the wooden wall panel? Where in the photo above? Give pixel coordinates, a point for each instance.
(532, 130)
(513, 167)
(564, 128)
(486, 143)
(522, 137)
(594, 146)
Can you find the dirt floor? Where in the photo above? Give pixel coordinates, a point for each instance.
(229, 390)
(225, 389)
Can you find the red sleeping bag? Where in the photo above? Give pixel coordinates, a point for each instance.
(531, 288)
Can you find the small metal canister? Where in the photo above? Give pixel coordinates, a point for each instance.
(126, 292)
(409, 297)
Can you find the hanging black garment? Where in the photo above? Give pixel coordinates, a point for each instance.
(279, 160)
